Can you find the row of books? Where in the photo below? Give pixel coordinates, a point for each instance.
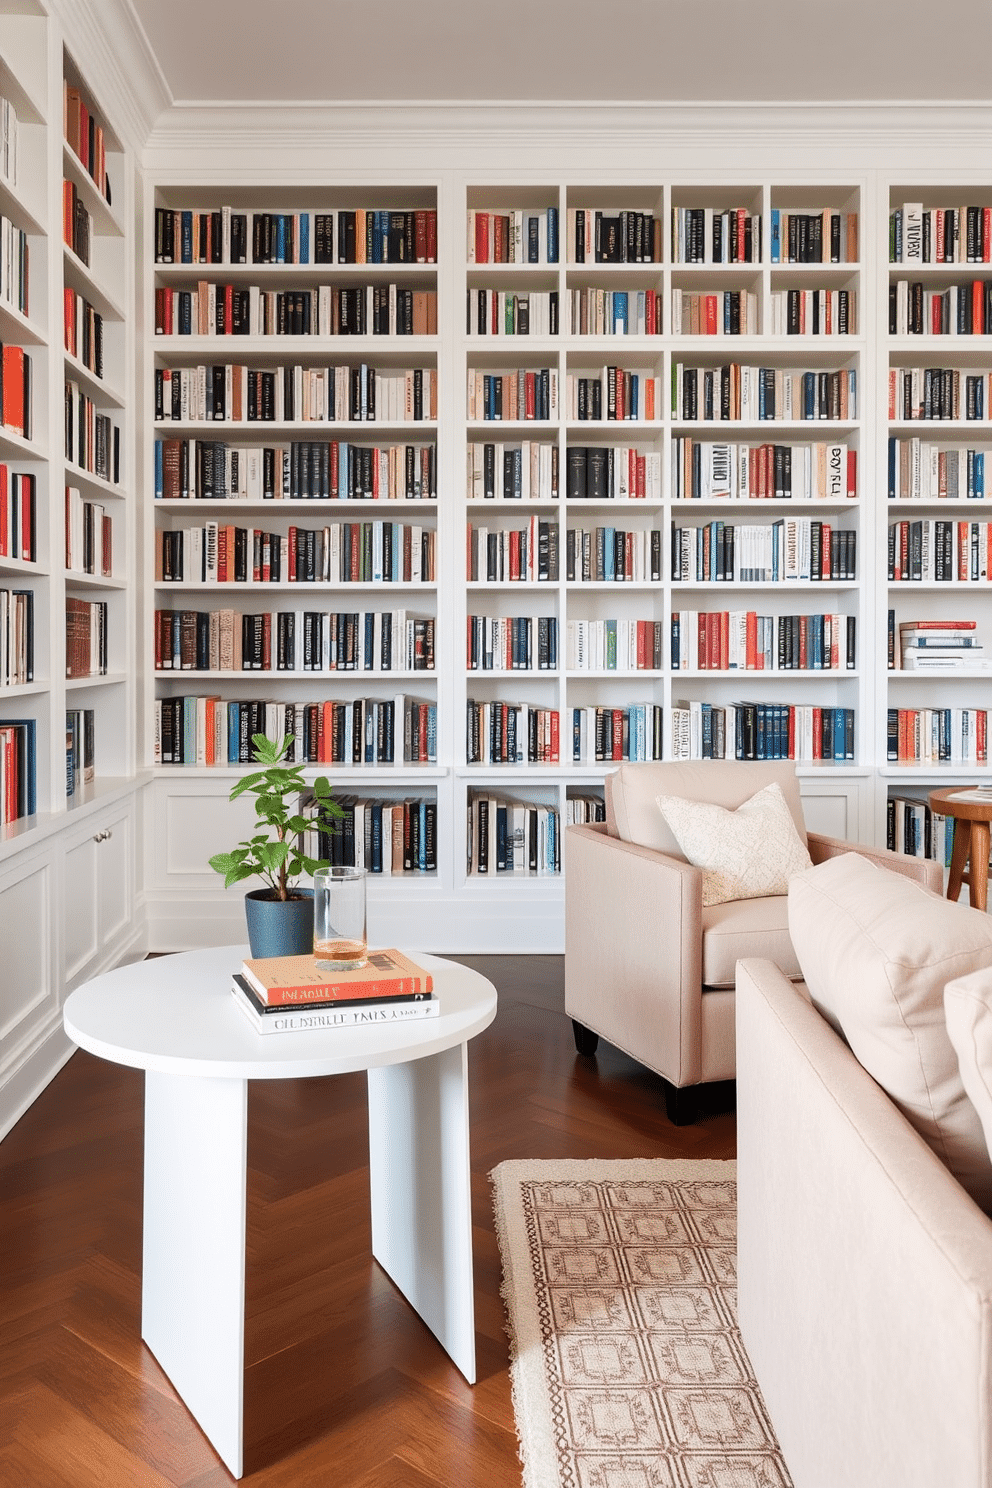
(627, 236)
(17, 769)
(582, 809)
(16, 390)
(940, 234)
(80, 749)
(235, 393)
(748, 394)
(813, 312)
(761, 731)
(8, 142)
(379, 835)
(213, 309)
(360, 731)
(912, 827)
(225, 235)
(747, 472)
(527, 471)
(612, 472)
(340, 553)
(732, 312)
(714, 235)
(826, 236)
(510, 836)
(610, 555)
(519, 235)
(309, 470)
(614, 312)
(614, 645)
(15, 256)
(512, 395)
(18, 515)
(293, 641)
(499, 733)
(615, 393)
(793, 549)
(83, 331)
(633, 732)
(959, 310)
(936, 646)
(743, 640)
(938, 551)
(937, 736)
(92, 439)
(89, 535)
(86, 637)
(77, 224)
(85, 137)
(939, 393)
(16, 637)
(508, 643)
(497, 312)
(527, 555)
(919, 471)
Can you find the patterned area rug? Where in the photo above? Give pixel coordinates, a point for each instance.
(627, 1367)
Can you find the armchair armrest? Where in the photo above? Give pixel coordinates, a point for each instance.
(924, 870)
(633, 950)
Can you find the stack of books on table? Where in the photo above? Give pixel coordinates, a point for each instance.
(942, 646)
(288, 994)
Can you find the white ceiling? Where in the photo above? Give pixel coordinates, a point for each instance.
(658, 50)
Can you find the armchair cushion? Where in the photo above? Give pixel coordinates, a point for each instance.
(968, 1008)
(745, 928)
(749, 853)
(632, 794)
(877, 950)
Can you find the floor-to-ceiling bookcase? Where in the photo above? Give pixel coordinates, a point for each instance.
(68, 846)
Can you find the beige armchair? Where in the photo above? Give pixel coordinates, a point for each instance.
(647, 967)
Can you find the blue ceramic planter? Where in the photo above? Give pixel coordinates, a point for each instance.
(279, 927)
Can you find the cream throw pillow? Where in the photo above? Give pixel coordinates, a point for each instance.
(877, 950)
(749, 853)
(968, 1009)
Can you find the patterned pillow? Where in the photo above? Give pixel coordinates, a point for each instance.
(744, 854)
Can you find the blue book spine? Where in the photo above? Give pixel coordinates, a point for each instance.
(609, 540)
(159, 479)
(979, 472)
(280, 238)
(186, 241)
(852, 393)
(776, 236)
(552, 235)
(432, 734)
(422, 842)
(893, 450)
(233, 732)
(189, 731)
(304, 237)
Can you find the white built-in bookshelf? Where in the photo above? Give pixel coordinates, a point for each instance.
(67, 611)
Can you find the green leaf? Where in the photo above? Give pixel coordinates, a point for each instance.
(237, 875)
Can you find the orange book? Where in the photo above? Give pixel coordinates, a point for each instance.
(279, 981)
(14, 388)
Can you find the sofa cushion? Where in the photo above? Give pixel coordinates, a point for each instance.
(876, 950)
(968, 1010)
(744, 854)
(632, 794)
(746, 927)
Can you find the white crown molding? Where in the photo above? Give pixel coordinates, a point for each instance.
(109, 45)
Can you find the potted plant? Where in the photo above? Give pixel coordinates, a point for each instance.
(280, 916)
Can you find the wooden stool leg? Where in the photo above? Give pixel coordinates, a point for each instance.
(959, 856)
(978, 867)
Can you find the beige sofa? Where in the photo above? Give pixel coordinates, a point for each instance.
(865, 1269)
(647, 967)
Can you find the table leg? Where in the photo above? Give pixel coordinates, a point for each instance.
(978, 868)
(421, 1192)
(959, 856)
(193, 1264)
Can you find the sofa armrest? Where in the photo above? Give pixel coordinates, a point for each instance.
(924, 870)
(633, 950)
(864, 1269)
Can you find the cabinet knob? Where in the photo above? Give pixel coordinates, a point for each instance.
(104, 836)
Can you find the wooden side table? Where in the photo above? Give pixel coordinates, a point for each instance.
(971, 812)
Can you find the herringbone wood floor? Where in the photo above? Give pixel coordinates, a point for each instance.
(343, 1385)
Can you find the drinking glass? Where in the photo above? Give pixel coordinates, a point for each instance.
(340, 942)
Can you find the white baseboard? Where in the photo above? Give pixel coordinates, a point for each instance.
(25, 1081)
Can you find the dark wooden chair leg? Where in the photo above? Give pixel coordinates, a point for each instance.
(586, 1042)
(682, 1104)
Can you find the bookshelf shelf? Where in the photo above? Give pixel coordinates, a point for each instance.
(105, 220)
(100, 392)
(82, 279)
(18, 328)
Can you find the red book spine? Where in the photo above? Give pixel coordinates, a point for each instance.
(977, 308)
(852, 473)
(554, 736)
